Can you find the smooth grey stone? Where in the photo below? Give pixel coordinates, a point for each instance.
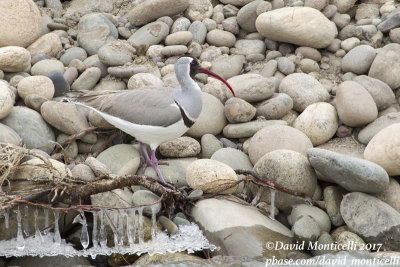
(31, 127)
(199, 31)
(234, 158)
(36, 58)
(166, 223)
(248, 129)
(60, 83)
(391, 22)
(359, 59)
(369, 131)
(150, 34)
(306, 230)
(351, 173)
(94, 61)
(122, 159)
(145, 197)
(9, 136)
(73, 53)
(375, 221)
(333, 195)
(209, 144)
(316, 213)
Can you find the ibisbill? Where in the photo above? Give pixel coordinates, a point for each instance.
(152, 115)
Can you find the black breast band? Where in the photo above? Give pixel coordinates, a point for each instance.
(186, 120)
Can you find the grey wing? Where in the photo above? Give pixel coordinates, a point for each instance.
(139, 106)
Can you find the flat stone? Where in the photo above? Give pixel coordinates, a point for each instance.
(248, 129)
(180, 148)
(304, 90)
(121, 159)
(66, 118)
(30, 126)
(319, 121)
(351, 173)
(275, 107)
(382, 230)
(149, 11)
(383, 147)
(150, 34)
(252, 87)
(14, 59)
(221, 38)
(179, 38)
(174, 50)
(285, 137)
(249, 47)
(355, 105)
(211, 176)
(289, 169)
(297, 25)
(251, 225)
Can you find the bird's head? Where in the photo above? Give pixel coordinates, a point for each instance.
(195, 67)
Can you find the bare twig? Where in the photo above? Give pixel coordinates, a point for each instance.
(74, 137)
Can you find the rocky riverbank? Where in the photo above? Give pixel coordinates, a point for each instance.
(316, 111)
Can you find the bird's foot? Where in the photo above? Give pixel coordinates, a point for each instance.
(146, 156)
(155, 165)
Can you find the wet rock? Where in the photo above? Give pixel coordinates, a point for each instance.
(167, 224)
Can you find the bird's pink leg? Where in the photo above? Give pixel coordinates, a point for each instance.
(146, 156)
(155, 165)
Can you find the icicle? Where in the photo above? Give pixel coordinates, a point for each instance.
(121, 232)
(114, 227)
(95, 233)
(153, 222)
(38, 234)
(26, 221)
(272, 210)
(141, 232)
(7, 219)
(80, 218)
(57, 236)
(131, 227)
(46, 218)
(103, 233)
(20, 235)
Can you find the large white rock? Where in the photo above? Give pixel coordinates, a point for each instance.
(211, 176)
(302, 26)
(14, 59)
(383, 149)
(318, 121)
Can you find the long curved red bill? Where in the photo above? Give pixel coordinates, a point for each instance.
(205, 71)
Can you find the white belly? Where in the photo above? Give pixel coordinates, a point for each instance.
(151, 135)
